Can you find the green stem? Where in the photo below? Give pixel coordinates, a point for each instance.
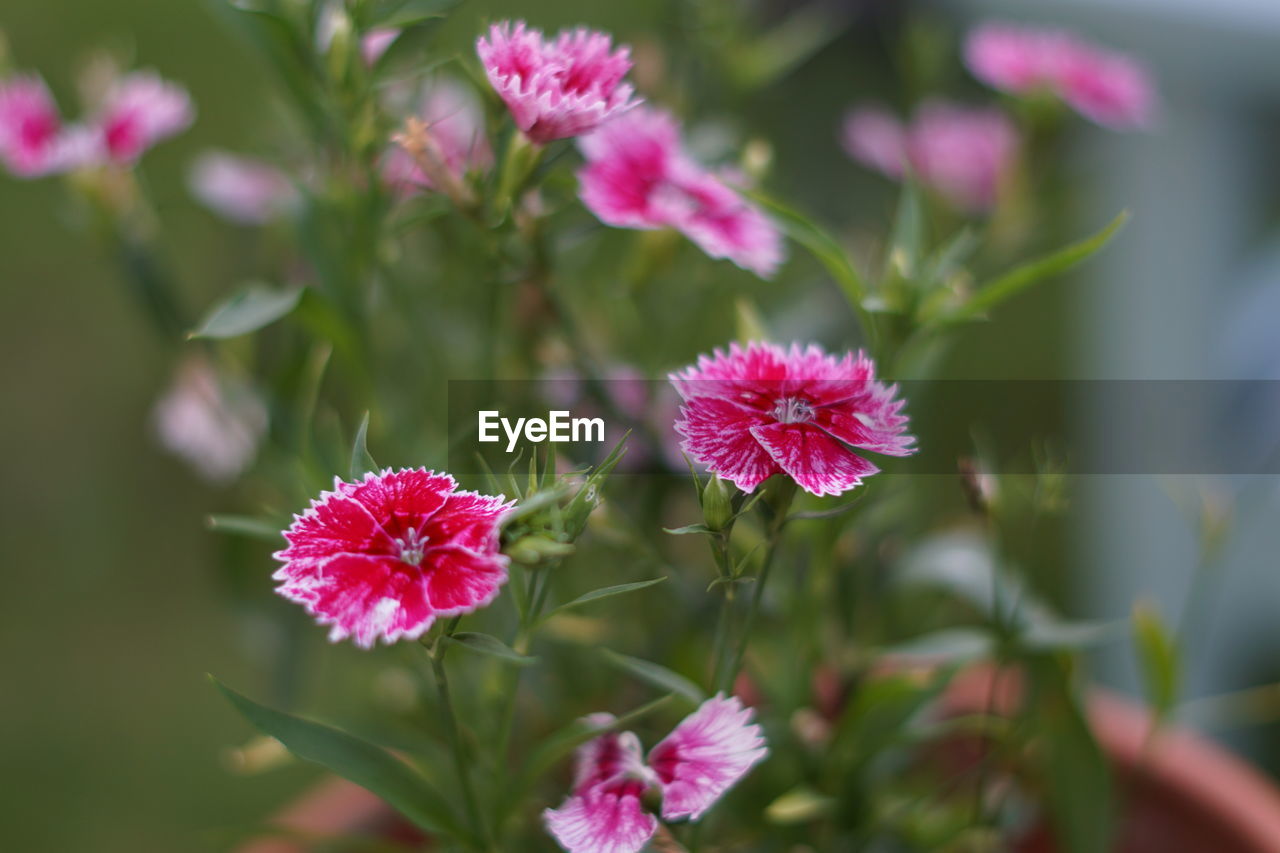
(460, 759)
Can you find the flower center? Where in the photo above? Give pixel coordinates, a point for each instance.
(412, 546)
(792, 410)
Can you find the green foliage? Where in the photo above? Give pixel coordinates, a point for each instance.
(252, 308)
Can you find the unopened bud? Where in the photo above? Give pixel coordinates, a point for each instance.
(717, 505)
(532, 550)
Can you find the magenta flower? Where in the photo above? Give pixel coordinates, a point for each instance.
(32, 139)
(556, 89)
(241, 189)
(140, 109)
(1109, 88)
(638, 176)
(751, 413)
(385, 556)
(454, 133)
(963, 153)
(692, 768)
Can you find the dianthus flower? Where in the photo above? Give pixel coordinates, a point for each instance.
(692, 768)
(964, 153)
(638, 176)
(212, 421)
(753, 412)
(556, 89)
(385, 556)
(139, 110)
(1109, 88)
(31, 133)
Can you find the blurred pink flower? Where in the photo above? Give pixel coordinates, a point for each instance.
(385, 556)
(693, 767)
(241, 189)
(638, 176)
(556, 89)
(753, 412)
(140, 109)
(32, 139)
(211, 421)
(455, 126)
(375, 43)
(1106, 87)
(964, 153)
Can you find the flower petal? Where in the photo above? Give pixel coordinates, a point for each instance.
(705, 756)
(364, 597)
(402, 499)
(335, 524)
(602, 821)
(460, 580)
(470, 520)
(718, 434)
(818, 464)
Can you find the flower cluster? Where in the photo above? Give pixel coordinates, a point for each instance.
(1106, 87)
(755, 411)
(385, 556)
(963, 153)
(135, 112)
(692, 768)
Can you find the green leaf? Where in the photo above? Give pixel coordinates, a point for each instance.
(398, 14)
(657, 675)
(1015, 281)
(825, 248)
(361, 461)
(1048, 634)
(689, 528)
(244, 525)
(950, 645)
(906, 241)
(354, 759)
(1077, 775)
(878, 713)
(489, 645)
(248, 310)
(1158, 658)
(799, 805)
(605, 592)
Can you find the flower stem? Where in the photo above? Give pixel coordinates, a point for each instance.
(460, 760)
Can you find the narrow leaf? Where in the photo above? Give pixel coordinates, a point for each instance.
(1158, 657)
(244, 525)
(248, 310)
(361, 461)
(689, 528)
(489, 645)
(825, 248)
(657, 675)
(1015, 281)
(350, 757)
(606, 592)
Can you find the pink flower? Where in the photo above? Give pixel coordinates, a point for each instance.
(455, 130)
(1108, 88)
(963, 153)
(30, 127)
(693, 767)
(751, 413)
(210, 420)
(638, 176)
(139, 110)
(241, 189)
(385, 556)
(375, 43)
(556, 89)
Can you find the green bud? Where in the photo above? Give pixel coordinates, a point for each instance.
(717, 504)
(534, 549)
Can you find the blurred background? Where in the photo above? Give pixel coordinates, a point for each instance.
(114, 609)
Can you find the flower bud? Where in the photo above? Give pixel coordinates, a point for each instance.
(535, 549)
(717, 505)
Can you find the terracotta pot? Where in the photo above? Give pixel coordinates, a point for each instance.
(1182, 794)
